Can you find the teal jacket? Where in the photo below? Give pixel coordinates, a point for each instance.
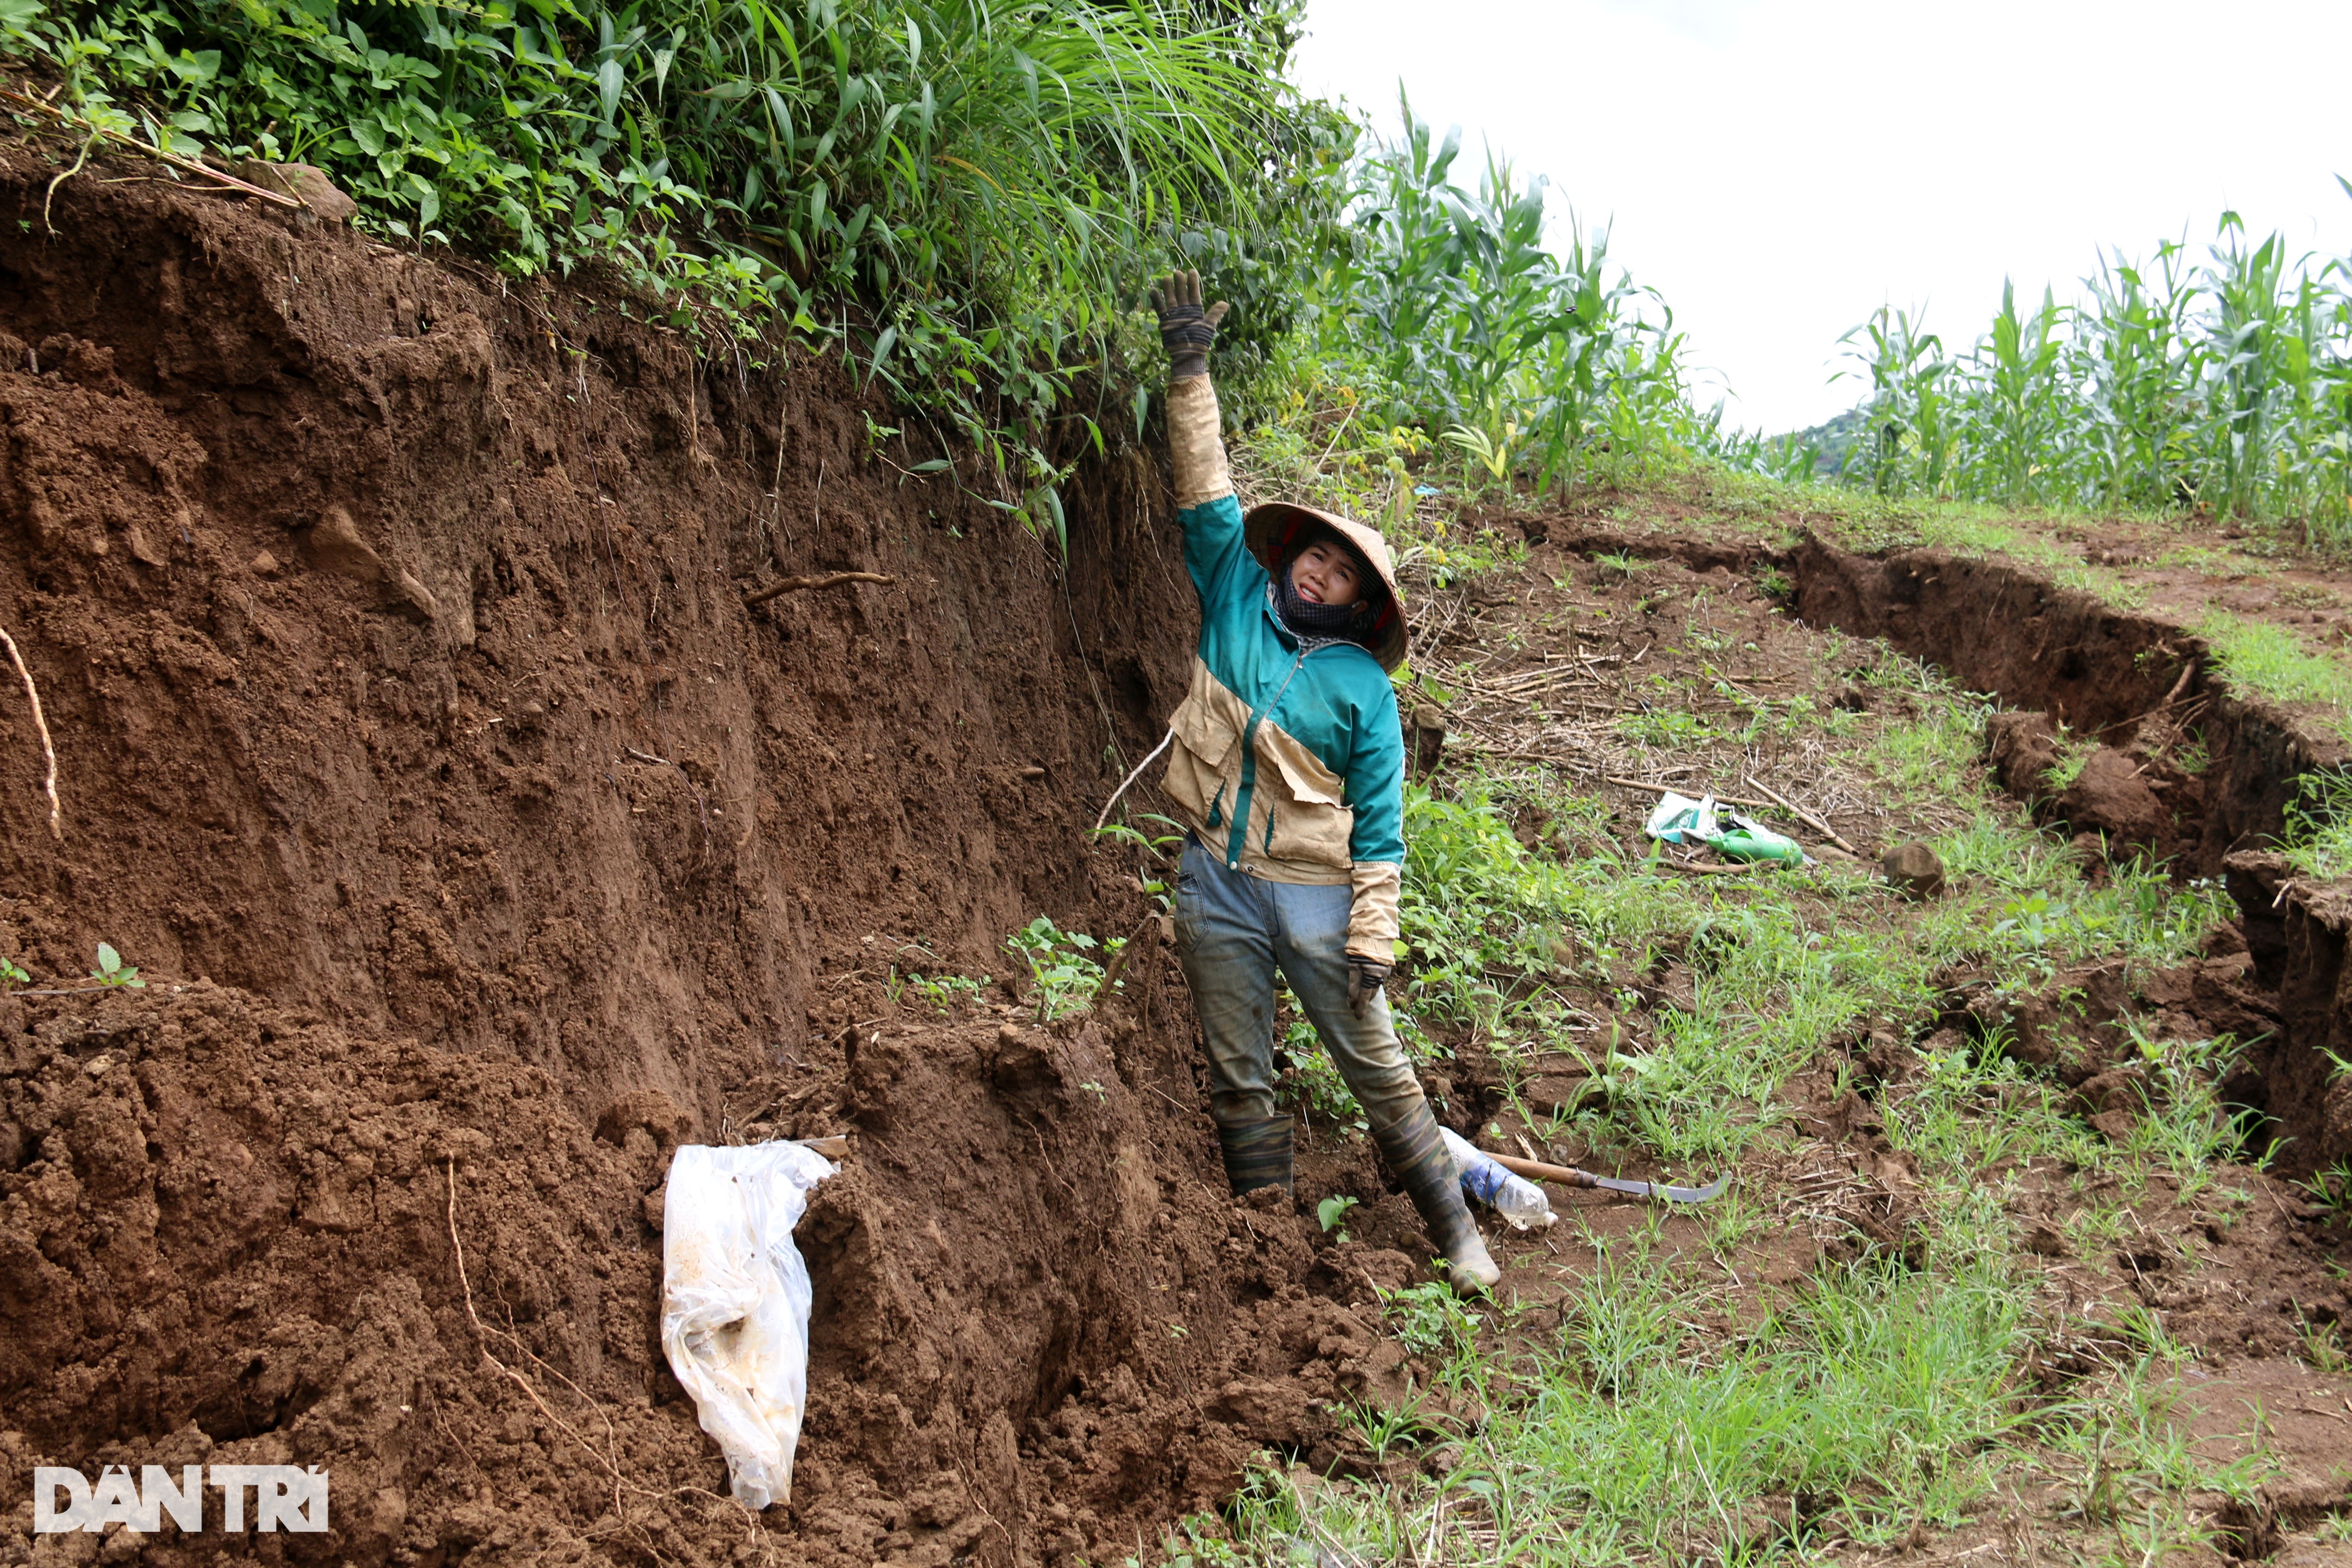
(1288, 759)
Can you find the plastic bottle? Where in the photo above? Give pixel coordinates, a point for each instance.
(1750, 843)
(1516, 1198)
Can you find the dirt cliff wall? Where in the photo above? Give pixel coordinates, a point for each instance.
(358, 589)
(2101, 671)
(479, 845)
(2123, 681)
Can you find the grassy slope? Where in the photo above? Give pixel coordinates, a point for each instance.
(1663, 1387)
(2278, 622)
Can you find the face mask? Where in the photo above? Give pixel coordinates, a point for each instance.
(1309, 619)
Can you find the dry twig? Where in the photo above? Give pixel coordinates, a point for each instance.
(49, 196)
(41, 725)
(1676, 789)
(27, 101)
(1807, 818)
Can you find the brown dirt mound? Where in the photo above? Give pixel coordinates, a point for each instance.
(479, 846)
(1038, 1325)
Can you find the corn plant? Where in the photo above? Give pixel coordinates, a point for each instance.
(2223, 385)
(2132, 346)
(1907, 442)
(2014, 411)
(1529, 359)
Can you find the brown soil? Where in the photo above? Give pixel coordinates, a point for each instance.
(478, 845)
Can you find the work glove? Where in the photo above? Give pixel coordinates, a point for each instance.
(1365, 978)
(1186, 331)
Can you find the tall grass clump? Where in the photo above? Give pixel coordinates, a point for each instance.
(1877, 1386)
(2222, 383)
(967, 188)
(2318, 830)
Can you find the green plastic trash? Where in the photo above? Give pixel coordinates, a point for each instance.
(1679, 819)
(1749, 842)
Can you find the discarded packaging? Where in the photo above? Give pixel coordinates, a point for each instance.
(735, 1302)
(1679, 819)
(1516, 1198)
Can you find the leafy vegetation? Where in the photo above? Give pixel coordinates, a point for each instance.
(112, 973)
(2318, 837)
(965, 195)
(2221, 382)
(942, 992)
(964, 190)
(1447, 340)
(1456, 315)
(1063, 974)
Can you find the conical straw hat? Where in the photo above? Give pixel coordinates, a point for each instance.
(1267, 530)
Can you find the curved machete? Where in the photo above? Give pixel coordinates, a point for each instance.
(1568, 1176)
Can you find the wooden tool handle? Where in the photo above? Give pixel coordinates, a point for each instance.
(1536, 1170)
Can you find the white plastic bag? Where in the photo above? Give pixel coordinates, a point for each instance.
(1678, 819)
(735, 1302)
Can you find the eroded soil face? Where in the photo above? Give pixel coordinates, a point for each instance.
(478, 845)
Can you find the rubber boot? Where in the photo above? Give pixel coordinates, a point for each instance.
(1422, 1167)
(1257, 1153)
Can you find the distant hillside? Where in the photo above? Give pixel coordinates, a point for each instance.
(1831, 441)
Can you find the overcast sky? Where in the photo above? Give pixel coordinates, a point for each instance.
(1778, 170)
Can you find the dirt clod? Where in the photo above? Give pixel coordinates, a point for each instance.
(1913, 868)
(2110, 798)
(2044, 1242)
(307, 184)
(2022, 747)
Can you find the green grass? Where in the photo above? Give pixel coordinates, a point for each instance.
(1635, 1430)
(1644, 1428)
(1878, 1400)
(2318, 837)
(2224, 563)
(2262, 659)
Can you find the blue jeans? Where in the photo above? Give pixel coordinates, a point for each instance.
(1233, 932)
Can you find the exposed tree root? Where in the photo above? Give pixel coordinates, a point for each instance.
(41, 725)
(822, 580)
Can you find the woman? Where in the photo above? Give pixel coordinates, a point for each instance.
(1289, 765)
